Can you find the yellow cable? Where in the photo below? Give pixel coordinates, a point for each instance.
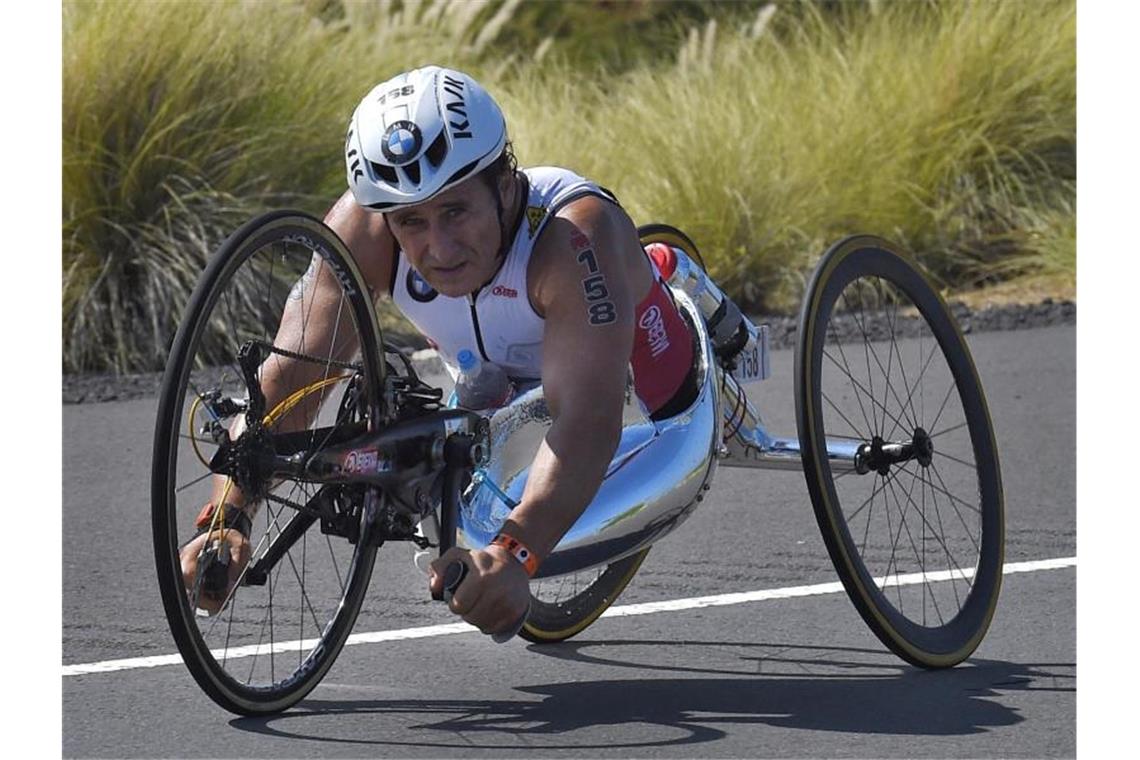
(275, 414)
(193, 437)
(219, 517)
(287, 405)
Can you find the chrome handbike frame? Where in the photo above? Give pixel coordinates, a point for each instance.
(659, 473)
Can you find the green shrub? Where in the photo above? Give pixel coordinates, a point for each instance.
(947, 126)
(182, 120)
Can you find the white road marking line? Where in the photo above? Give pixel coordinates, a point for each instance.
(646, 608)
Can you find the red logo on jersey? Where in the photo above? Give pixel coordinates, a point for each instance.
(505, 292)
(653, 323)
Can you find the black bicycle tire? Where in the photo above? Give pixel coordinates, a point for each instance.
(551, 622)
(213, 680)
(927, 647)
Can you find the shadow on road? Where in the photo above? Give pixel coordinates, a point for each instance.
(791, 686)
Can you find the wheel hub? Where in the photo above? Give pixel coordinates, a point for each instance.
(878, 455)
(923, 447)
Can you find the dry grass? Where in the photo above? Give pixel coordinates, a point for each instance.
(947, 126)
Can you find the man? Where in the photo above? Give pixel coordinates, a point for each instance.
(539, 271)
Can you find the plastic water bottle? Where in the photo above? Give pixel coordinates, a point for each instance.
(481, 385)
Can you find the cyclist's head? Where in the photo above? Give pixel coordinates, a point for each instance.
(420, 133)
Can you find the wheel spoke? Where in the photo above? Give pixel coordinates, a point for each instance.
(888, 387)
(917, 383)
(232, 334)
(894, 551)
(870, 514)
(842, 415)
(193, 482)
(266, 618)
(861, 321)
(229, 629)
(906, 527)
(941, 540)
(907, 403)
(942, 407)
(925, 525)
(890, 355)
(953, 500)
(861, 507)
(944, 431)
(253, 557)
(325, 377)
(918, 380)
(945, 549)
(962, 462)
(847, 371)
(870, 395)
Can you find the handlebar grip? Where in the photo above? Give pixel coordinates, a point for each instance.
(453, 575)
(216, 571)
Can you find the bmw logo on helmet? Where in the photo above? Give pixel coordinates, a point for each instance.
(401, 143)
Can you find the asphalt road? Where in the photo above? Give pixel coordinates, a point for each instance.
(795, 677)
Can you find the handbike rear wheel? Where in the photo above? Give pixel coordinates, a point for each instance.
(565, 606)
(916, 529)
(279, 631)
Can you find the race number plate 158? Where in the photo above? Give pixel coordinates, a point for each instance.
(752, 362)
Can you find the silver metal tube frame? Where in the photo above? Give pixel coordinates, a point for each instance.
(657, 476)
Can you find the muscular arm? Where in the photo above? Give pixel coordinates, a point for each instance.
(315, 321)
(586, 268)
(587, 297)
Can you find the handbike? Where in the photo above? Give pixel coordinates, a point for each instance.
(895, 442)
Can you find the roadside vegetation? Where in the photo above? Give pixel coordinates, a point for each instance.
(765, 131)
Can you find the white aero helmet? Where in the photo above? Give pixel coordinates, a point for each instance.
(418, 134)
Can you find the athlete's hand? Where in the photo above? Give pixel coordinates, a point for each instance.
(233, 542)
(493, 596)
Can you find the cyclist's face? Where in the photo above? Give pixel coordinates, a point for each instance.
(452, 239)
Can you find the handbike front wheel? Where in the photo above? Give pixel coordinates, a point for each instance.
(914, 523)
(283, 622)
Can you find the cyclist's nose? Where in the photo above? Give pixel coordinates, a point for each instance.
(443, 247)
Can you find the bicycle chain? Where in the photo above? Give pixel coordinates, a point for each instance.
(304, 357)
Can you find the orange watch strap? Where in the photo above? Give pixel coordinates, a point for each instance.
(519, 550)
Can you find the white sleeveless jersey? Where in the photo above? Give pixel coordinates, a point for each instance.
(497, 322)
